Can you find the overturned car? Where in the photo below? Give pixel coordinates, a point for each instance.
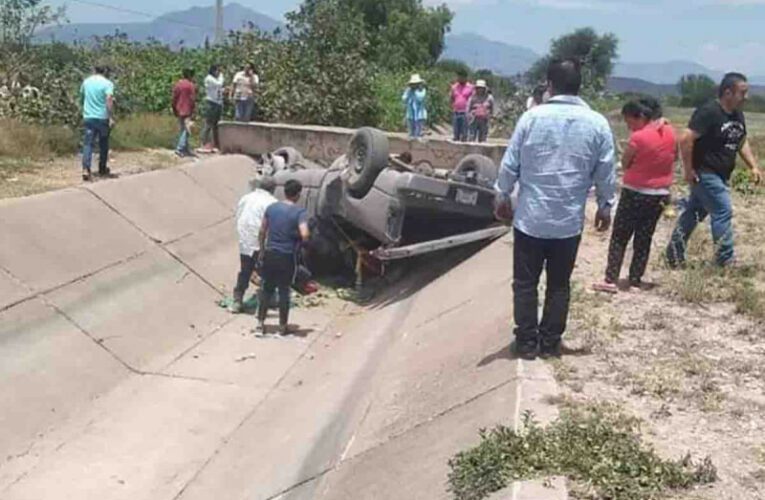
(369, 203)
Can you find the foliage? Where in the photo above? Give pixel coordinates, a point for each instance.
(452, 66)
(19, 19)
(755, 104)
(598, 447)
(389, 87)
(596, 53)
(696, 90)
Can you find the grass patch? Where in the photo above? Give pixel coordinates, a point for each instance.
(147, 131)
(35, 142)
(597, 447)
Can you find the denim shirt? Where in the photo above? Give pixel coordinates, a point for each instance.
(414, 100)
(557, 152)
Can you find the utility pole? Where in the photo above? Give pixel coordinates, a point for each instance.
(219, 22)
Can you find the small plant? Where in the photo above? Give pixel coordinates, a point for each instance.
(598, 447)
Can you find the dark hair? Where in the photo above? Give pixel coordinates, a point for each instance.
(565, 76)
(539, 93)
(101, 69)
(250, 66)
(634, 109)
(292, 189)
(214, 69)
(462, 73)
(267, 183)
(729, 82)
(188, 73)
(653, 105)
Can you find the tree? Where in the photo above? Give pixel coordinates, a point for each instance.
(596, 53)
(696, 90)
(21, 18)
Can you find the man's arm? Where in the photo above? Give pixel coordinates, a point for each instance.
(604, 178)
(305, 233)
(509, 171)
(263, 234)
(687, 143)
(628, 156)
(751, 161)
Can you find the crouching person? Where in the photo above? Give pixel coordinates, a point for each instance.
(249, 218)
(285, 227)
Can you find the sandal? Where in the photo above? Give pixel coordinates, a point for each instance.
(605, 287)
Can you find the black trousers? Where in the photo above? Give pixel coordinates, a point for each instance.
(278, 272)
(636, 215)
(248, 264)
(557, 258)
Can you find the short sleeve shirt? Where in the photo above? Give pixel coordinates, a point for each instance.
(721, 136)
(94, 92)
(244, 85)
(283, 222)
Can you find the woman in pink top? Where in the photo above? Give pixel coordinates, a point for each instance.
(648, 164)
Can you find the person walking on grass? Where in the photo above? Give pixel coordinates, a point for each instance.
(480, 110)
(250, 213)
(284, 228)
(245, 83)
(414, 101)
(97, 99)
(557, 152)
(184, 103)
(214, 82)
(461, 91)
(715, 136)
(648, 164)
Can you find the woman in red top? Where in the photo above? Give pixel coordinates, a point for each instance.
(648, 164)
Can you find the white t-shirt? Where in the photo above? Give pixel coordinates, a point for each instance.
(249, 217)
(244, 86)
(214, 88)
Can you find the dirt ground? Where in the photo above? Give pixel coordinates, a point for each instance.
(27, 177)
(686, 356)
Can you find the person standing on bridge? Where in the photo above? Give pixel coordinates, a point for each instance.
(97, 98)
(414, 101)
(715, 136)
(184, 103)
(557, 152)
(285, 227)
(250, 213)
(245, 83)
(214, 82)
(480, 110)
(461, 92)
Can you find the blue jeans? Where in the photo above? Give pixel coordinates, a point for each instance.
(243, 110)
(183, 137)
(710, 196)
(95, 128)
(460, 126)
(415, 128)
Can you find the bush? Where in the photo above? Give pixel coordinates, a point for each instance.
(32, 141)
(147, 130)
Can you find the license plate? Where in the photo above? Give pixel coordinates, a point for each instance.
(466, 197)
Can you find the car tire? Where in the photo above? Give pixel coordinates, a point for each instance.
(367, 157)
(486, 170)
(291, 155)
(424, 167)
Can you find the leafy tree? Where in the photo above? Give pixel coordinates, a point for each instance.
(696, 90)
(452, 66)
(19, 19)
(596, 52)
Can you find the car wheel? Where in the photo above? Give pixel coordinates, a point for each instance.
(367, 157)
(424, 167)
(291, 155)
(486, 171)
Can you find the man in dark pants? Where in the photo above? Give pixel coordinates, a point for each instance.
(250, 213)
(97, 98)
(284, 227)
(557, 152)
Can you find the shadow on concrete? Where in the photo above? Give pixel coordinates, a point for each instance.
(507, 353)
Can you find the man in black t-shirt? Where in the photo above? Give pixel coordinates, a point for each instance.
(715, 136)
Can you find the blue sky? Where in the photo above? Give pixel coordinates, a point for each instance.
(721, 34)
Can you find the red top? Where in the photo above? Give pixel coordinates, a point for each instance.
(184, 98)
(652, 165)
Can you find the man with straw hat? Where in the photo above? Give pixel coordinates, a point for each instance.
(414, 102)
(480, 109)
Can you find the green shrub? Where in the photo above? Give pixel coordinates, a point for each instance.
(147, 130)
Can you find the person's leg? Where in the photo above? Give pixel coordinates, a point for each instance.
(284, 307)
(528, 261)
(624, 226)
(693, 213)
(560, 256)
(249, 110)
(239, 106)
(419, 127)
(87, 147)
(463, 127)
(650, 210)
(206, 136)
(483, 130)
(715, 195)
(182, 147)
(246, 266)
(103, 147)
(217, 113)
(455, 126)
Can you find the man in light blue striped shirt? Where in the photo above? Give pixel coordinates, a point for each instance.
(558, 151)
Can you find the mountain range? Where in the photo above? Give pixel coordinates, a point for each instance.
(194, 26)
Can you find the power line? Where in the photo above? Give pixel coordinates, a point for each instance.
(140, 13)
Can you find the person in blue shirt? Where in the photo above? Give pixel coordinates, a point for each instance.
(557, 152)
(414, 102)
(97, 99)
(284, 228)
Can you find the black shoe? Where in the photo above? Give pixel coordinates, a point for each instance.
(106, 174)
(86, 177)
(551, 349)
(526, 349)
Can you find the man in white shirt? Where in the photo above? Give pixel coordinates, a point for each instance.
(249, 219)
(245, 82)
